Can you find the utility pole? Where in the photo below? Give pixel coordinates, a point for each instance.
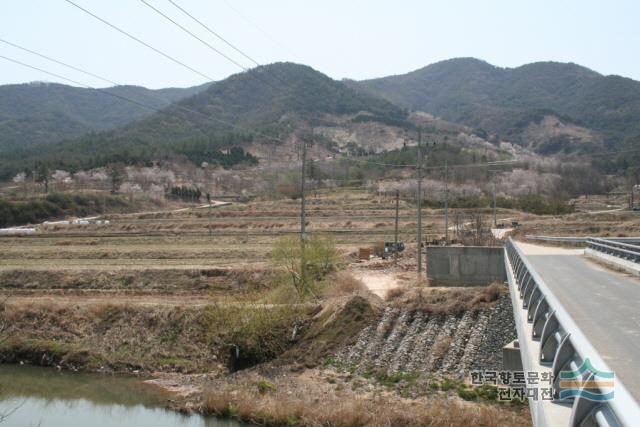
(209, 203)
(395, 253)
(419, 227)
(495, 220)
(303, 218)
(446, 203)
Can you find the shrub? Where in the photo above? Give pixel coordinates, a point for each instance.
(308, 264)
(345, 284)
(265, 386)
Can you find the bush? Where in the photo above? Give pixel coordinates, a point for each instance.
(253, 333)
(305, 269)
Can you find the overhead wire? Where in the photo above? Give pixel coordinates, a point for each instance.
(124, 98)
(104, 21)
(104, 79)
(158, 11)
(206, 27)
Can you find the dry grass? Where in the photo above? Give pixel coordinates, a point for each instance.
(123, 337)
(76, 243)
(344, 284)
(349, 410)
(395, 293)
(449, 301)
(441, 347)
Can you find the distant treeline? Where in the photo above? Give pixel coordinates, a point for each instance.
(102, 149)
(185, 193)
(57, 205)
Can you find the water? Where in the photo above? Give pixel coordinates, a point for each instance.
(44, 397)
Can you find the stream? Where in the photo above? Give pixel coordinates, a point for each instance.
(44, 397)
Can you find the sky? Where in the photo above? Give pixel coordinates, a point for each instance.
(356, 39)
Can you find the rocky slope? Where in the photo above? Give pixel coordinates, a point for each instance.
(417, 340)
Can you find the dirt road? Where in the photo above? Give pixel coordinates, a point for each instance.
(378, 282)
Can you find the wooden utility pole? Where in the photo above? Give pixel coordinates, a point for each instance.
(446, 204)
(395, 254)
(419, 227)
(303, 218)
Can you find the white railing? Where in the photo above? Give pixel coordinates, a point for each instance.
(618, 249)
(564, 347)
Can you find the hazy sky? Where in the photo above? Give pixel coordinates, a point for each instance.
(348, 38)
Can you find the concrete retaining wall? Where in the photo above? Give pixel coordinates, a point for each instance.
(465, 265)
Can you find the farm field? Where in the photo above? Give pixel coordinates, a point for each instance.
(168, 291)
(241, 236)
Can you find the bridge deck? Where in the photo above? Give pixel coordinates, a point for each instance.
(604, 304)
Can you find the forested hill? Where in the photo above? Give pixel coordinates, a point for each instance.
(227, 114)
(258, 100)
(36, 113)
(506, 102)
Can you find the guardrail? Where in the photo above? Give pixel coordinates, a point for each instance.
(564, 347)
(582, 239)
(618, 249)
(570, 239)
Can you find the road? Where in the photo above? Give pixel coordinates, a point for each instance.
(605, 305)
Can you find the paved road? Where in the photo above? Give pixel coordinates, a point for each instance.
(604, 304)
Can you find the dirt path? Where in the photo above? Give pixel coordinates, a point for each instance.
(378, 282)
(97, 298)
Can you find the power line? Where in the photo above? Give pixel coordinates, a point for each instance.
(59, 62)
(175, 60)
(193, 35)
(15, 61)
(214, 33)
(158, 110)
(140, 41)
(253, 24)
(242, 67)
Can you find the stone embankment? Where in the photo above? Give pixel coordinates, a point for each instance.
(416, 340)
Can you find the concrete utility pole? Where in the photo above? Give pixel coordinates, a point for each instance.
(303, 217)
(419, 227)
(395, 253)
(446, 204)
(209, 203)
(495, 220)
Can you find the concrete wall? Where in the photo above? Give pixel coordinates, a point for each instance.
(465, 265)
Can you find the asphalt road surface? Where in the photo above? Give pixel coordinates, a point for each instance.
(604, 304)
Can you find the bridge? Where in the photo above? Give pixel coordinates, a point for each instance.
(575, 308)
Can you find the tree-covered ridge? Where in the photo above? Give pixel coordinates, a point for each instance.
(215, 124)
(504, 101)
(36, 113)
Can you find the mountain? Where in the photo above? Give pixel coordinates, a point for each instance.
(266, 103)
(548, 106)
(37, 113)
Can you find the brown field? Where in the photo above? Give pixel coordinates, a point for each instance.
(199, 279)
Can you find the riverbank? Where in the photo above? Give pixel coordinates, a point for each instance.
(249, 357)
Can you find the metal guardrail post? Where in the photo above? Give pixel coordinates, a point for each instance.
(621, 250)
(564, 347)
